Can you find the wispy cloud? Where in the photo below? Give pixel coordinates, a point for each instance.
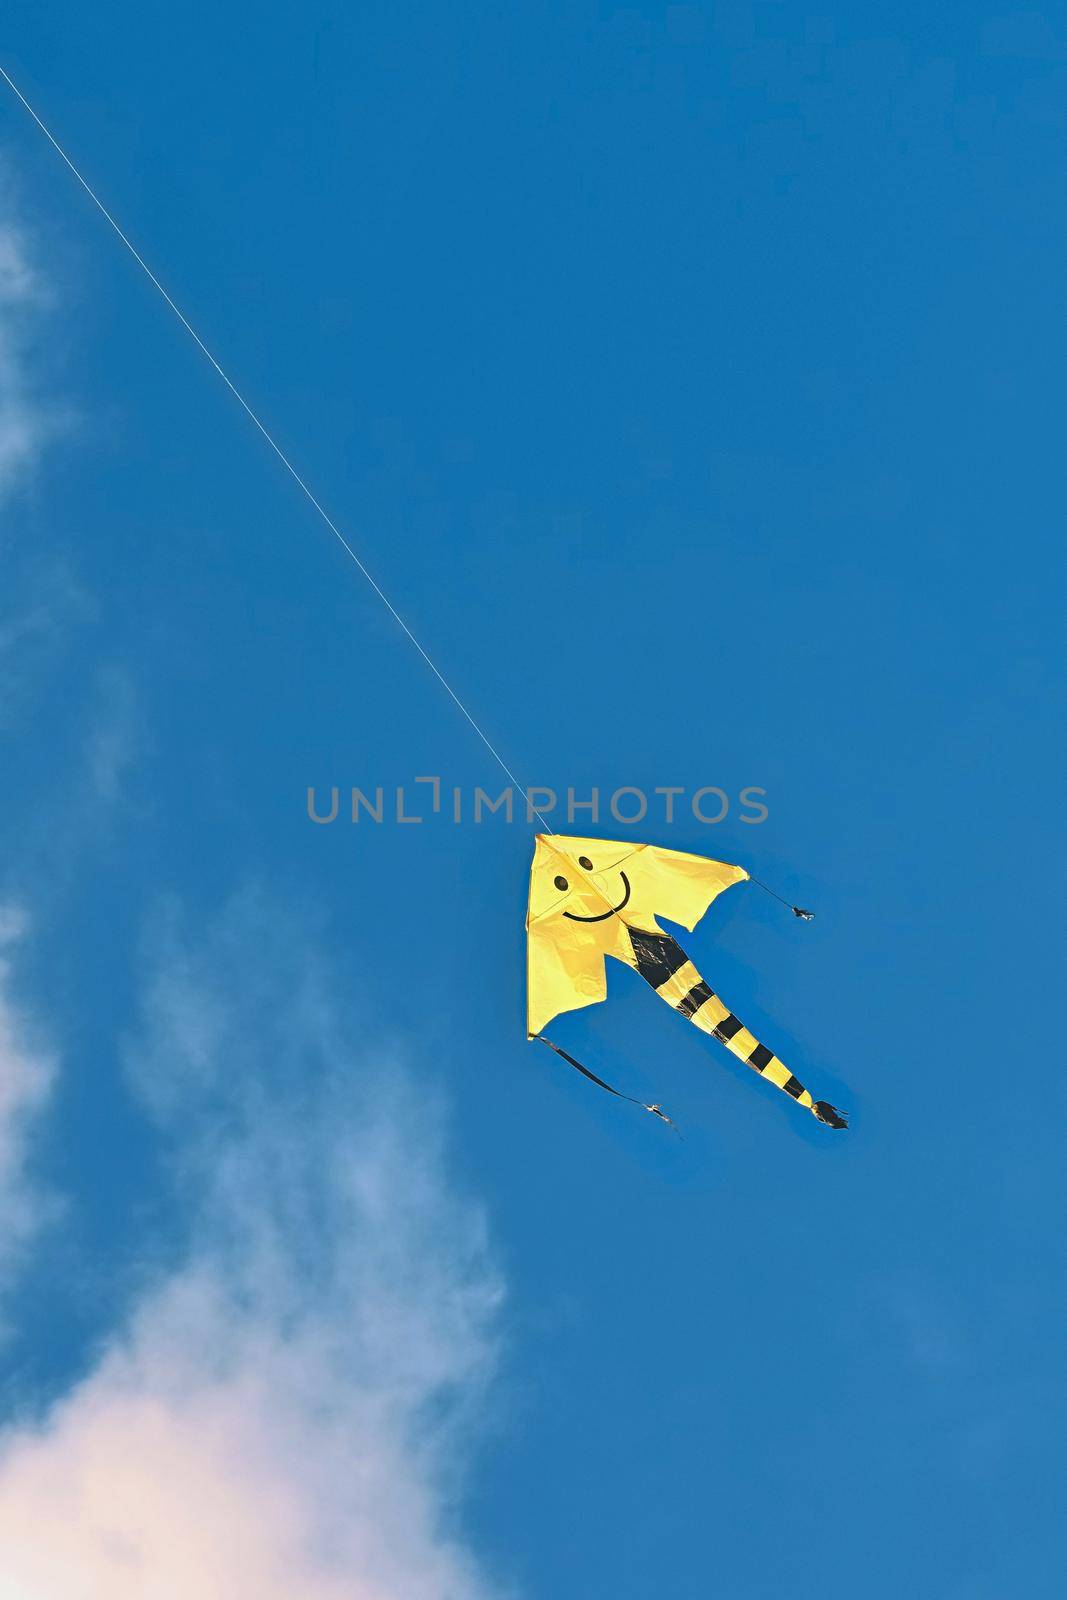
(39, 600)
(26, 421)
(291, 1410)
(114, 733)
(40, 610)
(26, 1077)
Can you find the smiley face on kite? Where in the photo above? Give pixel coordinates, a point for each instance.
(600, 916)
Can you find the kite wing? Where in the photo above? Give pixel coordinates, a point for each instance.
(681, 887)
(565, 971)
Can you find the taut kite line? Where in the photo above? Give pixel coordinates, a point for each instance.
(269, 437)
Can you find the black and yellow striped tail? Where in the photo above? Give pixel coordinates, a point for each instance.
(663, 963)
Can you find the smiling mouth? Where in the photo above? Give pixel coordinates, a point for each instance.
(604, 914)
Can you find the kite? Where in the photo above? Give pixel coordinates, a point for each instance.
(591, 898)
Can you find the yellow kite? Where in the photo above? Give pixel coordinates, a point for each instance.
(591, 898)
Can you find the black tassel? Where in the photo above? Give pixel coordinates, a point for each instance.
(829, 1115)
(807, 916)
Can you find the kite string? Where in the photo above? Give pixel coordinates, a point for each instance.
(278, 451)
(532, 810)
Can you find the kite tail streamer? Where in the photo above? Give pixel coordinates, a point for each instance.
(657, 1111)
(663, 963)
(798, 911)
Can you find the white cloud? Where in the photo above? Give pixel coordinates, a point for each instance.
(26, 1075)
(291, 1411)
(26, 422)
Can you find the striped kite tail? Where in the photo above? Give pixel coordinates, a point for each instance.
(663, 963)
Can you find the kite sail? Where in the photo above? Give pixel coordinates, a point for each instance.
(591, 898)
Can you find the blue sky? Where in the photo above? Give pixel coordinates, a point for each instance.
(690, 378)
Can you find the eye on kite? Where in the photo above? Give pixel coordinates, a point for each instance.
(591, 898)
